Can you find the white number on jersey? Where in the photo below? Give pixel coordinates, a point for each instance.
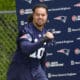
(38, 54)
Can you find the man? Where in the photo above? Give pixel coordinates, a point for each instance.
(29, 60)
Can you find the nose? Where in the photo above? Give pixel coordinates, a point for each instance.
(40, 16)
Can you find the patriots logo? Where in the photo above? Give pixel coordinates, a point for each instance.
(77, 5)
(27, 36)
(64, 51)
(29, 1)
(61, 18)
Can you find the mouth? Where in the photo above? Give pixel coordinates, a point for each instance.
(40, 21)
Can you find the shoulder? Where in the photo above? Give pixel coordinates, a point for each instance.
(26, 32)
(27, 28)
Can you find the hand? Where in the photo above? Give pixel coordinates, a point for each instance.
(49, 35)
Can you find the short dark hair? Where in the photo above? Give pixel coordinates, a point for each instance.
(30, 18)
(39, 6)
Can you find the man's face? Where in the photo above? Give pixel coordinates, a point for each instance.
(40, 16)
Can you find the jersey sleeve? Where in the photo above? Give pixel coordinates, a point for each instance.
(25, 45)
(28, 47)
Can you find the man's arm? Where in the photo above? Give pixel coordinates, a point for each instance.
(28, 47)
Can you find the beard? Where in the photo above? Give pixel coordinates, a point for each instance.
(40, 23)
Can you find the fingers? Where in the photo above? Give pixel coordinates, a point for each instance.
(49, 35)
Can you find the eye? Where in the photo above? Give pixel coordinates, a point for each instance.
(37, 14)
(43, 14)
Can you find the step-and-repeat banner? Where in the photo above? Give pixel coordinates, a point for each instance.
(64, 21)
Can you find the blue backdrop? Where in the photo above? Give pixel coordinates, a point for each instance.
(64, 21)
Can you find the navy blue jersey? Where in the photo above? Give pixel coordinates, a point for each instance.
(30, 50)
(28, 63)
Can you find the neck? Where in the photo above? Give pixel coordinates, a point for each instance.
(38, 27)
